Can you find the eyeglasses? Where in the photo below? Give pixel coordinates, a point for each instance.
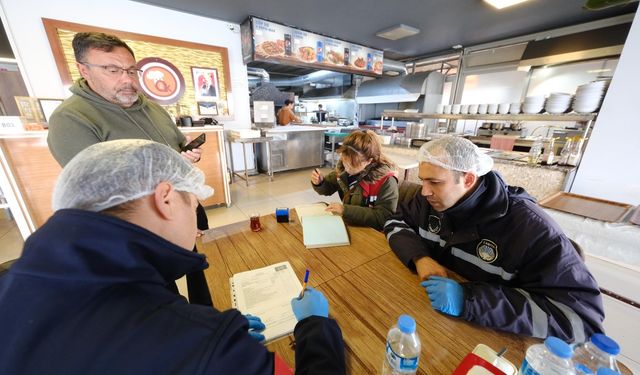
(115, 71)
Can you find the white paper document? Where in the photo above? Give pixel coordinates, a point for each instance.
(266, 293)
(321, 228)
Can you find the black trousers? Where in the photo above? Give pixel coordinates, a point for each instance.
(197, 287)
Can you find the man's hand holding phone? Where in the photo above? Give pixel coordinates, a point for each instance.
(191, 150)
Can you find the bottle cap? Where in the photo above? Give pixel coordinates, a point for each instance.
(605, 343)
(558, 347)
(406, 324)
(582, 367)
(606, 371)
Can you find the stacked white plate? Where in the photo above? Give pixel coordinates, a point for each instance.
(558, 102)
(533, 104)
(589, 96)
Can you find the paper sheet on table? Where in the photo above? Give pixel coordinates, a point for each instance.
(321, 228)
(313, 209)
(266, 293)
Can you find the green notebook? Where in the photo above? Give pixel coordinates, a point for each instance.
(324, 231)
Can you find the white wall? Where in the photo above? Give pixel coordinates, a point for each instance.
(610, 166)
(23, 22)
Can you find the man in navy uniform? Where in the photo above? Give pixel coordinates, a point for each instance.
(524, 275)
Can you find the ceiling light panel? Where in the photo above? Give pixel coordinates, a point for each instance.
(504, 3)
(397, 32)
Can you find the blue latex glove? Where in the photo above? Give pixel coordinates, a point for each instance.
(255, 327)
(445, 295)
(313, 303)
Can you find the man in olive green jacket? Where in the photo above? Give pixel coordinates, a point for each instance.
(106, 105)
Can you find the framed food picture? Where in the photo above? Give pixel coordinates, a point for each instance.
(29, 108)
(205, 82)
(208, 108)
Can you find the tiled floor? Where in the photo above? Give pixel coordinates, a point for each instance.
(262, 196)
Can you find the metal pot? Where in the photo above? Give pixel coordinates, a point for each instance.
(497, 126)
(415, 130)
(485, 125)
(516, 126)
(186, 121)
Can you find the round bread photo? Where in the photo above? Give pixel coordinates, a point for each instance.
(270, 48)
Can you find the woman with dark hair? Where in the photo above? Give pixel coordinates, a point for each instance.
(364, 180)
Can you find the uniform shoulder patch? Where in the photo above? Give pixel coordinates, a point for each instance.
(487, 250)
(434, 224)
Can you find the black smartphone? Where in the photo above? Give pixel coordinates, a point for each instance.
(197, 142)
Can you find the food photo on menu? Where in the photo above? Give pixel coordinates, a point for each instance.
(359, 62)
(334, 57)
(307, 54)
(271, 48)
(377, 67)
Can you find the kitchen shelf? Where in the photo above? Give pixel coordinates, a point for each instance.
(496, 117)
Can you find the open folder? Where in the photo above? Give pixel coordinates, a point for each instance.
(321, 228)
(266, 293)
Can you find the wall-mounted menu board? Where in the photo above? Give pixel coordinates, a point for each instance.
(268, 41)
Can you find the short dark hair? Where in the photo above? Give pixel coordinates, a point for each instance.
(83, 42)
(319, 105)
(287, 102)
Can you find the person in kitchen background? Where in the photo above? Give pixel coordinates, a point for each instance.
(106, 104)
(524, 275)
(321, 114)
(91, 281)
(364, 181)
(286, 115)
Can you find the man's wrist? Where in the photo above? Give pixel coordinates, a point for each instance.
(417, 258)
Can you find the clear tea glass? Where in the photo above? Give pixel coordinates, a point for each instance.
(255, 223)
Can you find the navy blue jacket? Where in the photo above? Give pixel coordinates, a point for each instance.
(89, 296)
(524, 275)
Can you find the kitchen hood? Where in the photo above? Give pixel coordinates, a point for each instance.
(335, 92)
(269, 92)
(399, 89)
(592, 44)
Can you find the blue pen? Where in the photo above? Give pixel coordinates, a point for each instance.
(304, 285)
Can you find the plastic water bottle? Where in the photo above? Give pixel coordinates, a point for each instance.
(403, 348)
(551, 358)
(599, 352)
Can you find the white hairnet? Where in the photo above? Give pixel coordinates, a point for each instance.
(107, 174)
(456, 153)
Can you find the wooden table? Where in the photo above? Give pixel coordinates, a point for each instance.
(367, 288)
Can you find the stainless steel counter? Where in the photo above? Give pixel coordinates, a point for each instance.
(292, 147)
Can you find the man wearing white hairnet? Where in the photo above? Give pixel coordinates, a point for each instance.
(89, 294)
(524, 275)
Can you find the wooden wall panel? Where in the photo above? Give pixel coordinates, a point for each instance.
(35, 171)
(211, 165)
